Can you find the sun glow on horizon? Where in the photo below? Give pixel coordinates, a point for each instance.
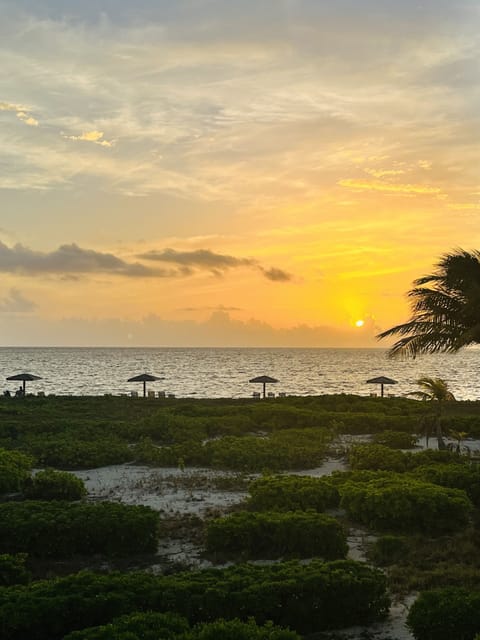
(359, 323)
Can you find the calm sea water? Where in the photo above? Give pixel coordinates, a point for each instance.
(216, 373)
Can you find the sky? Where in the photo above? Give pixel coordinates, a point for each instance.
(222, 173)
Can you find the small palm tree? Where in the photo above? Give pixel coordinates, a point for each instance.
(445, 308)
(436, 391)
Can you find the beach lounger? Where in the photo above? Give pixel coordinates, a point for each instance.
(150, 393)
(134, 394)
(161, 394)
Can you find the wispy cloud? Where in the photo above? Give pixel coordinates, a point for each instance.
(16, 302)
(366, 185)
(91, 136)
(22, 113)
(276, 275)
(381, 173)
(217, 263)
(69, 259)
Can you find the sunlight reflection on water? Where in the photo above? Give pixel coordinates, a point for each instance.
(220, 372)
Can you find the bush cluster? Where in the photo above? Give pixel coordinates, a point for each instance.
(455, 476)
(13, 569)
(273, 534)
(444, 614)
(15, 469)
(288, 449)
(64, 529)
(54, 485)
(377, 457)
(169, 626)
(65, 451)
(319, 596)
(406, 504)
(395, 439)
(292, 493)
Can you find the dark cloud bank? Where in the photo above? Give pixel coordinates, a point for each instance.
(70, 259)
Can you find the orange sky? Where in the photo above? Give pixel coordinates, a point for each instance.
(243, 174)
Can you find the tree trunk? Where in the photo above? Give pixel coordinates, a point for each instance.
(441, 442)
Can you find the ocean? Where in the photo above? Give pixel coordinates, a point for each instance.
(225, 373)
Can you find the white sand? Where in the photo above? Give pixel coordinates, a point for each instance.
(156, 488)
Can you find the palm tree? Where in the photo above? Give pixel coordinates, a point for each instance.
(445, 308)
(435, 390)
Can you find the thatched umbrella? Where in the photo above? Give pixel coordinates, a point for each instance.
(381, 380)
(144, 377)
(264, 380)
(23, 377)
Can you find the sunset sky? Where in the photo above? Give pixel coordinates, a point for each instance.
(254, 173)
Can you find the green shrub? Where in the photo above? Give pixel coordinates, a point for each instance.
(406, 504)
(292, 493)
(68, 451)
(13, 570)
(388, 549)
(395, 439)
(320, 595)
(433, 456)
(273, 534)
(237, 630)
(15, 469)
(64, 529)
(376, 457)
(455, 476)
(144, 626)
(292, 449)
(169, 626)
(445, 614)
(54, 485)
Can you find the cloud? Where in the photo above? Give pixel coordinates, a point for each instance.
(15, 302)
(68, 259)
(31, 121)
(219, 330)
(380, 173)
(365, 185)
(219, 307)
(217, 263)
(8, 106)
(276, 275)
(91, 136)
(203, 258)
(465, 206)
(22, 113)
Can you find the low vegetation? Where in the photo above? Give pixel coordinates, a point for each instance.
(273, 535)
(169, 626)
(422, 505)
(63, 529)
(320, 596)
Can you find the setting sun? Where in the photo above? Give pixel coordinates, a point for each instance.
(359, 323)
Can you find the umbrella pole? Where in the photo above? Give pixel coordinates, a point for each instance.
(264, 385)
(144, 388)
(381, 392)
(24, 387)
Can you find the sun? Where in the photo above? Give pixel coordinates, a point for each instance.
(359, 323)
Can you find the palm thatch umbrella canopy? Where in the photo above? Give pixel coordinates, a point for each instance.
(144, 377)
(381, 380)
(264, 380)
(23, 377)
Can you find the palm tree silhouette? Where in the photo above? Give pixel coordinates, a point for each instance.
(445, 308)
(436, 391)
